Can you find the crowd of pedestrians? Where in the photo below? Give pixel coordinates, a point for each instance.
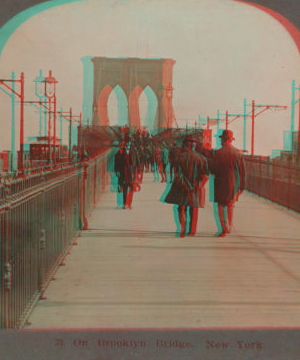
(190, 164)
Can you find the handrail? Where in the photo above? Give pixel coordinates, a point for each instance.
(277, 182)
(40, 216)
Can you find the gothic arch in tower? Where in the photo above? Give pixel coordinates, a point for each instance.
(133, 76)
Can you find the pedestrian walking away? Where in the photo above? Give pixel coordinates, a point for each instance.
(124, 171)
(164, 162)
(228, 167)
(191, 172)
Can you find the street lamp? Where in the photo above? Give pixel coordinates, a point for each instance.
(40, 93)
(50, 83)
(39, 85)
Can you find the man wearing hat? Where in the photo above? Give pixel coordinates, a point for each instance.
(124, 170)
(191, 172)
(228, 167)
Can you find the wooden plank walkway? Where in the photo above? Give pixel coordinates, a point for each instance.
(130, 271)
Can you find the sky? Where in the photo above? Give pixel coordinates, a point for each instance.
(225, 52)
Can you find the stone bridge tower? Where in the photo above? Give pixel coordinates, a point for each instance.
(133, 75)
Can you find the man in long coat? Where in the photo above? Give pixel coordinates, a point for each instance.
(191, 172)
(124, 171)
(228, 167)
(174, 152)
(164, 162)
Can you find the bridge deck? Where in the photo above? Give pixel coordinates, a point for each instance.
(129, 270)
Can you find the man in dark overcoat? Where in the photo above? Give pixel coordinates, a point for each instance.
(228, 167)
(124, 171)
(164, 162)
(191, 172)
(174, 152)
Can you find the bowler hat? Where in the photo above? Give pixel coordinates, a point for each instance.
(227, 135)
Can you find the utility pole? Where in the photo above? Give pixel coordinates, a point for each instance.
(20, 94)
(245, 125)
(294, 102)
(22, 121)
(13, 121)
(61, 128)
(262, 109)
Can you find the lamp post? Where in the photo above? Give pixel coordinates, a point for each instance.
(50, 83)
(40, 93)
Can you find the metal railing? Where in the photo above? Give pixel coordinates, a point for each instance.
(274, 181)
(32, 177)
(40, 214)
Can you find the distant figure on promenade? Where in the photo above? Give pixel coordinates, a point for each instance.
(228, 167)
(174, 152)
(191, 171)
(164, 162)
(140, 162)
(135, 165)
(155, 158)
(83, 155)
(75, 156)
(124, 171)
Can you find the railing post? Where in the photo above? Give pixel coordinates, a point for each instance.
(7, 276)
(42, 245)
(87, 189)
(75, 222)
(7, 271)
(85, 222)
(7, 296)
(75, 215)
(80, 225)
(62, 226)
(95, 183)
(288, 205)
(260, 177)
(62, 218)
